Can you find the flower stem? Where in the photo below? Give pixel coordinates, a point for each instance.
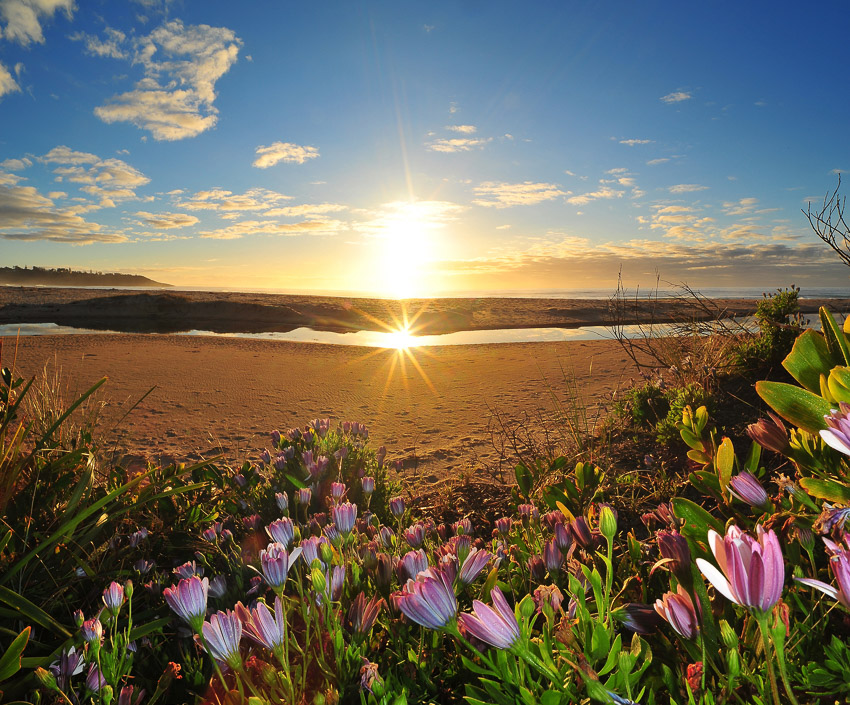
(762, 622)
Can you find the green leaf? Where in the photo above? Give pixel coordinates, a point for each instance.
(144, 629)
(31, 611)
(600, 642)
(699, 457)
(836, 341)
(829, 490)
(797, 406)
(524, 479)
(724, 463)
(691, 439)
(10, 662)
(550, 697)
(697, 520)
(753, 458)
(808, 359)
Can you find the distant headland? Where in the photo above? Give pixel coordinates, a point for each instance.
(60, 276)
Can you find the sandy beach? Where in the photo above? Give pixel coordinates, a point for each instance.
(434, 409)
(437, 409)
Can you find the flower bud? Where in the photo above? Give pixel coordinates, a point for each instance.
(318, 578)
(527, 607)
(728, 635)
(106, 694)
(79, 618)
(326, 553)
(46, 678)
(607, 522)
(128, 589)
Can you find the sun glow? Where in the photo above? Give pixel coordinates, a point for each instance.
(407, 242)
(401, 339)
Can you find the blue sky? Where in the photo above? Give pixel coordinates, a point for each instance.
(406, 148)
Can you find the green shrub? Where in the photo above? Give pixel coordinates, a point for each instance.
(779, 322)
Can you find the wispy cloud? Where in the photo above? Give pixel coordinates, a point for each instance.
(660, 160)
(686, 188)
(676, 97)
(271, 227)
(108, 46)
(283, 152)
(167, 221)
(458, 144)
(305, 210)
(181, 65)
(632, 143)
(742, 207)
(493, 194)
(256, 199)
(463, 129)
(604, 193)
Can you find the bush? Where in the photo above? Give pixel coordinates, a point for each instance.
(779, 322)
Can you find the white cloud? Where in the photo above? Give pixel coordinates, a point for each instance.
(632, 143)
(20, 20)
(7, 83)
(604, 193)
(305, 210)
(66, 155)
(270, 227)
(686, 188)
(661, 160)
(463, 129)
(109, 46)
(457, 144)
(283, 152)
(16, 164)
(742, 207)
(181, 64)
(256, 199)
(108, 180)
(27, 215)
(676, 97)
(167, 221)
(494, 194)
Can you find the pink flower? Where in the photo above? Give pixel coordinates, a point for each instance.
(344, 516)
(189, 600)
(752, 572)
(495, 625)
(263, 625)
(276, 562)
(678, 610)
(837, 435)
(282, 531)
(113, 597)
(429, 600)
(222, 634)
(746, 487)
(839, 563)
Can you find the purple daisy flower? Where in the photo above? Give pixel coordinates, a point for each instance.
(495, 625)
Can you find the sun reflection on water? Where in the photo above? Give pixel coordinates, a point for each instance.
(401, 339)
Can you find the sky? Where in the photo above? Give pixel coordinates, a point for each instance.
(421, 148)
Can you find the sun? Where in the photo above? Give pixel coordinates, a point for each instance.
(406, 244)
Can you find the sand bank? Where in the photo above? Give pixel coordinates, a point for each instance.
(169, 312)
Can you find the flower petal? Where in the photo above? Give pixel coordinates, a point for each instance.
(716, 578)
